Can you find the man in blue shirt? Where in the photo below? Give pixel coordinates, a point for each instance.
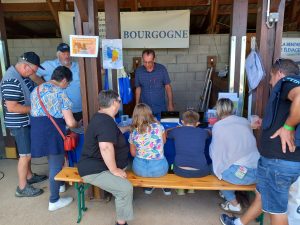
(73, 90)
(152, 81)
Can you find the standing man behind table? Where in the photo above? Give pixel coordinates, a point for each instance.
(152, 81)
(279, 164)
(73, 90)
(16, 86)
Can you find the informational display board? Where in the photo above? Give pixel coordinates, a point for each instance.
(290, 48)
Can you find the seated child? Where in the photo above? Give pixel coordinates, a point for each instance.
(147, 140)
(190, 160)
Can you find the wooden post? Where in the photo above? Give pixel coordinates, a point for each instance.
(86, 14)
(10, 146)
(238, 29)
(113, 30)
(269, 44)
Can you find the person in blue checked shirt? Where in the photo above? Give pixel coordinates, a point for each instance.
(73, 90)
(152, 82)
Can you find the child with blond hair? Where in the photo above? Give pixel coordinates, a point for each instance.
(147, 140)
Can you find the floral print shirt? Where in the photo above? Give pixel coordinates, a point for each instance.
(54, 98)
(149, 145)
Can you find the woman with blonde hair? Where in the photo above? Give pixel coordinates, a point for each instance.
(147, 140)
(233, 152)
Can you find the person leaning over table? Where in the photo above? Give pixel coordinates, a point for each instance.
(233, 152)
(45, 138)
(152, 82)
(16, 86)
(279, 164)
(73, 90)
(105, 156)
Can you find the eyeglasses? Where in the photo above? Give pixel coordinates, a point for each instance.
(148, 62)
(278, 62)
(32, 70)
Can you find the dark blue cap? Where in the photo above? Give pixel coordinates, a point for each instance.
(63, 47)
(32, 58)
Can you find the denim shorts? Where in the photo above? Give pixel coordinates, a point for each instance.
(150, 167)
(274, 178)
(22, 137)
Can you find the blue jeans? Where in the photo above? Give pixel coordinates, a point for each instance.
(22, 138)
(55, 165)
(274, 179)
(229, 176)
(150, 167)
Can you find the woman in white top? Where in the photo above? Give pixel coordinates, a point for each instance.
(233, 152)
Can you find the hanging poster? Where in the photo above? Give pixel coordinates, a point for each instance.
(112, 53)
(84, 46)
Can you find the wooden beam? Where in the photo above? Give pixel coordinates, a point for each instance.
(172, 3)
(82, 10)
(134, 5)
(224, 12)
(199, 12)
(29, 7)
(30, 18)
(53, 12)
(213, 16)
(112, 22)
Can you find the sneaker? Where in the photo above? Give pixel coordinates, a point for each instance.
(166, 191)
(36, 178)
(62, 188)
(180, 191)
(191, 191)
(228, 207)
(28, 191)
(227, 220)
(148, 191)
(62, 202)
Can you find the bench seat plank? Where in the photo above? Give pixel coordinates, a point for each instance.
(173, 181)
(69, 174)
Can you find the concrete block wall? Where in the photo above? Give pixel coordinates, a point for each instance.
(187, 67)
(45, 48)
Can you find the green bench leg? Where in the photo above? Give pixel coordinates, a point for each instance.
(260, 219)
(81, 188)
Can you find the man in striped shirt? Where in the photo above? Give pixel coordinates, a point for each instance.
(16, 86)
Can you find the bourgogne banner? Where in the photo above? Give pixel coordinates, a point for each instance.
(151, 29)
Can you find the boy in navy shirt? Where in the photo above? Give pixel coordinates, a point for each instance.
(190, 160)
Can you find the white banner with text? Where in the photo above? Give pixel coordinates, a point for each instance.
(153, 29)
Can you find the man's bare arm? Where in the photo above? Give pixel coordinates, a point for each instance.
(108, 153)
(36, 79)
(137, 95)
(16, 107)
(168, 88)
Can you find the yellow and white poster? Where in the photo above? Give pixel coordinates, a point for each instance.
(84, 46)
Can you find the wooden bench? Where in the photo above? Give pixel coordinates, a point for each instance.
(70, 174)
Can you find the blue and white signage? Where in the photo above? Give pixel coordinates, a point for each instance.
(290, 49)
